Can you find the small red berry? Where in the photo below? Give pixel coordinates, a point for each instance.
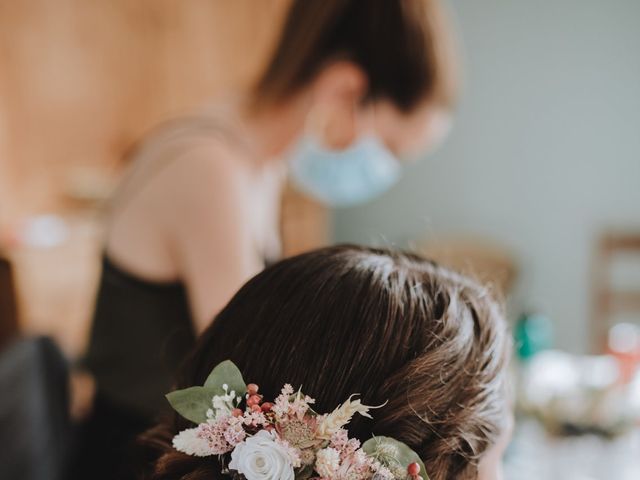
(267, 406)
(413, 469)
(252, 389)
(236, 412)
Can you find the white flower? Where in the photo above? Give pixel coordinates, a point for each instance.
(327, 462)
(223, 404)
(190, 442)
(383, 473)
(262, 457)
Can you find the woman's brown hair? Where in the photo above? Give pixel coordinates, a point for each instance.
(390, 326)
(403, 47)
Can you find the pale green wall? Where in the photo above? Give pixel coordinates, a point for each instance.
(545, 150)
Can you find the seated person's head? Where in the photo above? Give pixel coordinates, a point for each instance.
(388, 326)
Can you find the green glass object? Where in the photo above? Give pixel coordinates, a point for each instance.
(533, 334)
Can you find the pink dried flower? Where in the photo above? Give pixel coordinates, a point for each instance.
(281, 403)
(234, 433)
(343, 444)
(285, 406)
(215, 437)
(255, 419)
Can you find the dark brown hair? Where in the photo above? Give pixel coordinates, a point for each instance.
(388, 325)
(403, 46)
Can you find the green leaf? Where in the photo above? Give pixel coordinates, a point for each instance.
(192, 403)
(226, 373)
(377, 447)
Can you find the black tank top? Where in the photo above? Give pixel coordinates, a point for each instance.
(142, 330)
(141, 333)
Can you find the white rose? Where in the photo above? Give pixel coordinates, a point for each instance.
(261, 458)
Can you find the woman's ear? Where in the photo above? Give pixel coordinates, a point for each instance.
(337, 94)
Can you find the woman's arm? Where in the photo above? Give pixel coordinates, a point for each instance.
(209, 227)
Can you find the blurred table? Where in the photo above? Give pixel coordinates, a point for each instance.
(56, 284)
(534, 455)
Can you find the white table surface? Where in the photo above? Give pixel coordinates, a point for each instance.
(533, 455)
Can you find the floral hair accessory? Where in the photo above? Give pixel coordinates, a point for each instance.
(284, 439)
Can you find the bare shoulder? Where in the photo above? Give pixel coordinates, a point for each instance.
(205, 167)
(190, 187)
(197, 174)
(180, 182)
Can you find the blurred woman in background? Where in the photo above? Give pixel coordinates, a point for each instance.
(351, 85)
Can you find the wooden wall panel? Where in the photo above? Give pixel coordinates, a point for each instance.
(80, 80)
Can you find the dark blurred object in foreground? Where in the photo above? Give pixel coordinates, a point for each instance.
(34, 423)
(8, 308)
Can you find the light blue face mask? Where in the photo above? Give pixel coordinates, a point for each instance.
(341, 178)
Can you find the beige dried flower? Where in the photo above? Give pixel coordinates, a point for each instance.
(334, 421)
